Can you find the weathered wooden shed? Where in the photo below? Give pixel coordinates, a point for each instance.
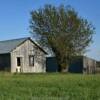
(22, 55)
(82, 64)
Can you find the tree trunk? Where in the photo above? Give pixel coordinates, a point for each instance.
(64, 68)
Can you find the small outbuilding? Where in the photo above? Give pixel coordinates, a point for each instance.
(78, 64)
(22, 55)
(83, 64)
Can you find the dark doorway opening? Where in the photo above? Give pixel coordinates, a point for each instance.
(18, 61)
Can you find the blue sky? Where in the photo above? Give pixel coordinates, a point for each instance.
(15, 15)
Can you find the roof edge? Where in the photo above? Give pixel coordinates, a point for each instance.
(27, 38)
(37, 45)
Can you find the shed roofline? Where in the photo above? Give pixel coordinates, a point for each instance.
(37, 45)
(28, 38)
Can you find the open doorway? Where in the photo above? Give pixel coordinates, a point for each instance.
(19, 64)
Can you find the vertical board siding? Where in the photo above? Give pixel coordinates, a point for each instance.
(90, 65)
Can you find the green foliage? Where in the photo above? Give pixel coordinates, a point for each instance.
(62, 29)
(49, 87)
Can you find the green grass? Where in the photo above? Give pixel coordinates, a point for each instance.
(49, 87)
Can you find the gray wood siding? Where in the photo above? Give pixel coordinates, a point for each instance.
(89, 65)
(24, 50)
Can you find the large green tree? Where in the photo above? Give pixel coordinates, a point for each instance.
(63, 30)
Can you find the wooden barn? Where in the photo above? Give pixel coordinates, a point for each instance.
(22, 55)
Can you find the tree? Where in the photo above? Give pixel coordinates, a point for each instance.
(63, 30)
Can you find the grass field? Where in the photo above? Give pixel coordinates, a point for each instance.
(49, 87)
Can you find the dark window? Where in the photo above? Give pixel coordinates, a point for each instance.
(18, 61)
(31, 60)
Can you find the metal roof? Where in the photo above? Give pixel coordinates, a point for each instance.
(8, 45)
